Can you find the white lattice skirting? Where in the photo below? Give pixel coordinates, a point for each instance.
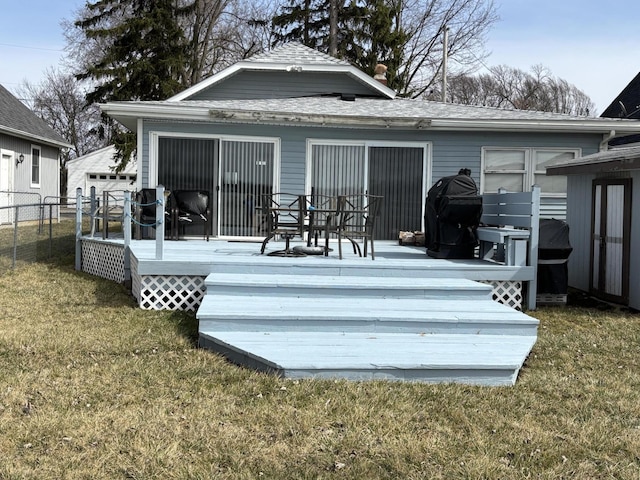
(167, 292)
(507, 292)
(105, 260)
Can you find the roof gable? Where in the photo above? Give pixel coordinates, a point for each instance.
(17, 120)
(294, 59)
(627, 103)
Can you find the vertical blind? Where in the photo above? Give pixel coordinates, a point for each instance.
(247, 171)
(396, 173)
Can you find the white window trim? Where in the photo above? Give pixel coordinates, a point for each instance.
(32, 183)
(12, 165)
(427, 152)
(528, 174)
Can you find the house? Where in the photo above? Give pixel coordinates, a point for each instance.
(97, 169)
(602, 201)
(29, 158)
(625, 105)
(294, 119)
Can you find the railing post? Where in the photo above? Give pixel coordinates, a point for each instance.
(126, 224)
(79, 229)
(95, 223)
(105, 214)
(160, 216)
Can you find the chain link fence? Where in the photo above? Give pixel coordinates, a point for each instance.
(37, 231)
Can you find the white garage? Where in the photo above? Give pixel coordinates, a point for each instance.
(97, 169)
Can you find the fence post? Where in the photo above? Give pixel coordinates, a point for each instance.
(79, 229)
(126, 223)
(15, 236)
(160, 216)
(50, 231)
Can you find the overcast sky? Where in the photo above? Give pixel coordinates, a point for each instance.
(592, 44)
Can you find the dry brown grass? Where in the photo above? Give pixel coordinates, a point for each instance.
(93, 387)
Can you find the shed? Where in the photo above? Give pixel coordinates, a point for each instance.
(603, 212)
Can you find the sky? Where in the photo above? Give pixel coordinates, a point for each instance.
(592, 44)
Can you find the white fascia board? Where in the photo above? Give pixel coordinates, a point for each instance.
(127, 113)
(34, 138)
(577, 126)
(284, 67)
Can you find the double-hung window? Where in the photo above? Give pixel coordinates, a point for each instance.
(517, 169)
(35, 166)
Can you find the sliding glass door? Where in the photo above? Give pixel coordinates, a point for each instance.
(233, 172)
(247, 173)
(396, 172)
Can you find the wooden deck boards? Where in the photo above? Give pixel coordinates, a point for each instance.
(472, 359)
(403, 316)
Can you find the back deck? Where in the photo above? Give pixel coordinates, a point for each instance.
(402, 316)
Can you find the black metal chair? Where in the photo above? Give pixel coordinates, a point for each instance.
(356, 219)
(190, 207)
(145, 212)
(322, 212)
(285, 214)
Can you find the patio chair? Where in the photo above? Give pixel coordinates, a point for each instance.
(191, 207)
(145, 212)
(285, 215)
(322, 211)
(356, 219)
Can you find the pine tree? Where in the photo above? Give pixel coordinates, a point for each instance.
(146, 50)
(144, 56)
(369, 32)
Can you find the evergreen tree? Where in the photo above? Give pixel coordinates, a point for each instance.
(368, 31)
(144, 55)
(147, 53)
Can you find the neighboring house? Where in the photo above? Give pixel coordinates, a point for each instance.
(626, 105)
(97, 169)
(603, 213)
(296, 120)
(29, 158)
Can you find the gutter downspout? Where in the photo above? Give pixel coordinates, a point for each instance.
(605, 140)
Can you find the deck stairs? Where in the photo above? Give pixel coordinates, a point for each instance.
(348, 323)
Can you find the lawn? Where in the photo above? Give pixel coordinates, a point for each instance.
(93, 387)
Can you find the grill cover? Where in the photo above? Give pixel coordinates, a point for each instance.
(554, 249)
(452, 213)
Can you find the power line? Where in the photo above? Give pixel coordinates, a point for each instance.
(31, 48)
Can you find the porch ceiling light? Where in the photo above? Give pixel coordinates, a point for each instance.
(19, 159)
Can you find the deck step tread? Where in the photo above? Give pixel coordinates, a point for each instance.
(304, 350)
(347, 281)
(240, 306)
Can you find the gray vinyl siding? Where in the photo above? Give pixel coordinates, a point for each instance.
(258, 85)
(634, 268)
(49, 166)
(579, 212)
(451, 150)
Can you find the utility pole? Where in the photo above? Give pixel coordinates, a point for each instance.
(445, 54)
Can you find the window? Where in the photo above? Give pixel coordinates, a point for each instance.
(517, 169)
(35, 166)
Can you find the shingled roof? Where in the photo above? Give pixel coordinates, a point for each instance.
(296, 53)
(290, 57)
(17, 120)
